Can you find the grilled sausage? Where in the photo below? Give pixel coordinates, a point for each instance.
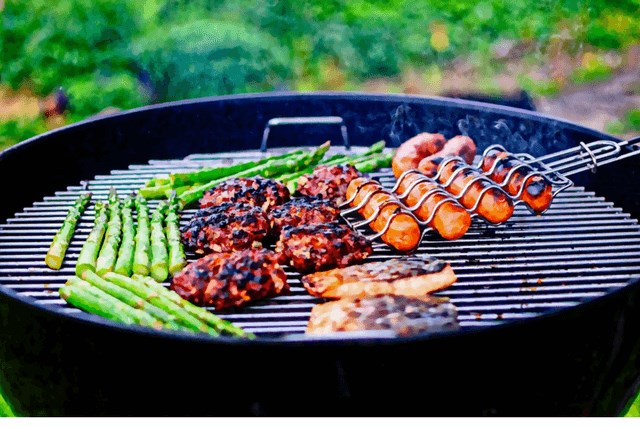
(538, 191)
(409, 154)
(460, 145)
(451, 220)
(403, 232)
(495, 205)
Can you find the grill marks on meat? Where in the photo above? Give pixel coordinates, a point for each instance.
(328, 182)
(261, 192)
(318, 247)
(302, 210)
(225, 228)
(231, 279)
(412, 276)
(400, 314)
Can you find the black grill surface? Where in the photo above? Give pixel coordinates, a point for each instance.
(580, 249)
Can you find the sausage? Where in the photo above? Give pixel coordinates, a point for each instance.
(451, 220)
(409, 154)
(538, 191)
(460, 145)
(404, 231)
(495, 206)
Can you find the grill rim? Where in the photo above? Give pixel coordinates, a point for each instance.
(474, 106)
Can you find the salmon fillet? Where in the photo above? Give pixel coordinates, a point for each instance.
(399, 314)
(412, 276)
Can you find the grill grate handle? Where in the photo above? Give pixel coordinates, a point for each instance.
(312, 120)
(584, 157)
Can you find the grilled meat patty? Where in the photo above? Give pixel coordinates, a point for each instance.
(409, 276)
(231, 279)
(225, 227)
(261, 192)
(328, 182)
(317, 247)
(302, 210)
(400, 314)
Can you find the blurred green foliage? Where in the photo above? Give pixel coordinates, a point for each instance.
(48, 44)
(16, 130)
(210, 57)
(127, 53)
(633, 119)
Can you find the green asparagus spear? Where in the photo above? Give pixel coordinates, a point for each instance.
(159, 256)
(156, 192)
(91, 247)
(339, 159)
(124, 264)
(157, 181)
(268, 169)
(177, 259)
(333, 158)
(377, 162)
(160, 301)
(61, 241)
(81, 294)
(141, 255)
(375, 148)
(178, 191)
(131, 299)
(113, 237)
(221, 325)
(181, 179)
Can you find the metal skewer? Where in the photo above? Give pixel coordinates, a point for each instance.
(554, 168)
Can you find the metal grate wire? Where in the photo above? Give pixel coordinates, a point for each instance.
(580, 249)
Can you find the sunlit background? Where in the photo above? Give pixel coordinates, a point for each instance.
(63, 61)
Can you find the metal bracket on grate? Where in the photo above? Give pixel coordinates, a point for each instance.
(320, 120)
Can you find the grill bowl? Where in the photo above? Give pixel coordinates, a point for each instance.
(578, 360)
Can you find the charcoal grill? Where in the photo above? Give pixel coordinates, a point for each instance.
(548, 304)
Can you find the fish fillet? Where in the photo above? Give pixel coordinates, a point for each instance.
(412, 276)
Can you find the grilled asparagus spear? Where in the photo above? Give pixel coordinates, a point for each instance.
(373, 153)
(159, 187)
(61, 241)
(91, 247)
(180, 179)
(109, 251)
(81, 294)
(141, 255)
(376, 162)
(177, 259)
(159, 256)
(124, 263)
(221, 325)
(131, 299)
(160, 301)
(268, 169)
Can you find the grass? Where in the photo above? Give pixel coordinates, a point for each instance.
(5, 409)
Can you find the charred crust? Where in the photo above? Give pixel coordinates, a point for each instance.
(318, 247)
(231, 280)
(257, 191)
(225, 227)
(328, 182)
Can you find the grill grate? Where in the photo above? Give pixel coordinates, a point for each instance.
(582, 248)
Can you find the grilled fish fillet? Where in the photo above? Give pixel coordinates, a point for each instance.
(409, 276)
(399, 314)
